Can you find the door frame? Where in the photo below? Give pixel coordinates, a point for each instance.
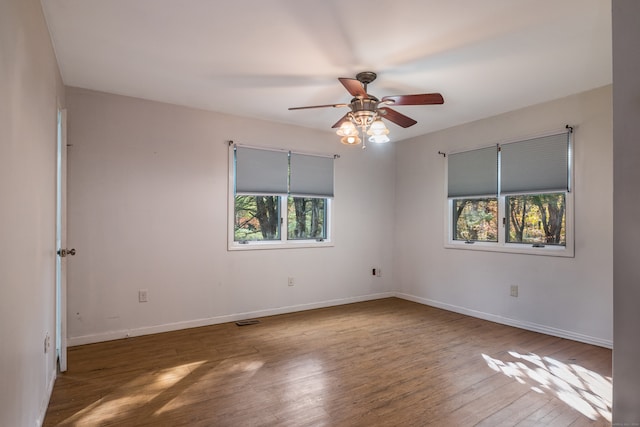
(61, 239)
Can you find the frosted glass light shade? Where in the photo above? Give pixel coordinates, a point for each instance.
(347, 128)
(379, 138)
(377, 128)
(351, 140)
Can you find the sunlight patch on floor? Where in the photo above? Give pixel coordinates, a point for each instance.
(584, 390)
(121, 399)
(241, 369)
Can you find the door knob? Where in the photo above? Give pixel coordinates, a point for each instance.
(64, 252)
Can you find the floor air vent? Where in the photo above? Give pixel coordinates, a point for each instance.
(247, 322)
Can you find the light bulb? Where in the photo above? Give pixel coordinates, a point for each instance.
(351, 140)
(379, 138)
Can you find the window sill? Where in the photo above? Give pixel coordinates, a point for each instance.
(514, 248)
(291, 244)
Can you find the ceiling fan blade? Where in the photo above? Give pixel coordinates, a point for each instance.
(397, 118)
(354, 86)
(421, 99)
(339, 122)
(319, 106)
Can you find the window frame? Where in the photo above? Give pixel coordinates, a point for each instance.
(325, 214)
(284, 242)
(567, 250)
(454, 224)
(510, 247)
(507, 222)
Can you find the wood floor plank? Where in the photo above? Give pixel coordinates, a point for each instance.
(387, 362)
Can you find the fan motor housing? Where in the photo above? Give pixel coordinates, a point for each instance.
(364, 110)
(364, 104)
(366, 77)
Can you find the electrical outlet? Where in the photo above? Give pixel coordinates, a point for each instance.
(291, 281)
(47, 343)
(376, 272)
(143, 295)
(514, 291)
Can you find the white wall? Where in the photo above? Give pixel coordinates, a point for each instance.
(147, 193)
(569, 297)
(30, 88)
(626, 204)
(148, 210)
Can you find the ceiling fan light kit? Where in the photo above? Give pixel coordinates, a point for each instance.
(379, 139)
(367, 111)
(347, 128)
(351, 140)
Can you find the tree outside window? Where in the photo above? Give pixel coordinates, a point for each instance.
(257, 218)
(476, 220)
(536, 218)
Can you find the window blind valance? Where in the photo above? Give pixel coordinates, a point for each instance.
(274, 172)
(535, 165)
(310, 175)
(473, 173)
(261, 171)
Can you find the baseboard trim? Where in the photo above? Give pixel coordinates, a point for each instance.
(543, 329)
(148, 330)
(45, 402)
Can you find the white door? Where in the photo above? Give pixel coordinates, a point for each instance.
(61, 242)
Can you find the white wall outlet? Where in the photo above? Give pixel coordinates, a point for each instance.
(47, 343)
(291, 281)
(375, 271)
(514, 291)
(143, 295)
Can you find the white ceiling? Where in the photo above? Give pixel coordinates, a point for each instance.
(256, 58)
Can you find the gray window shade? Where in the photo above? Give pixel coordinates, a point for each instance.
(535, 165)
(311, 176)
(261, 171)
(473, 173)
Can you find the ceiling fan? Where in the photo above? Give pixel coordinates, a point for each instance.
(367, 110)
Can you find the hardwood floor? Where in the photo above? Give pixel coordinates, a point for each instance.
(388, 362)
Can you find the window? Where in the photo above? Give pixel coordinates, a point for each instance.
(475, 220)
(306, 218)
(256, 218)
(512, 197)
(537, 219)
(279, 198)
(473, 189)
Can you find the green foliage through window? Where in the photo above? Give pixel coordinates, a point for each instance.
(306, 218)
(257, 218)
(536, 218)
(475, 220)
